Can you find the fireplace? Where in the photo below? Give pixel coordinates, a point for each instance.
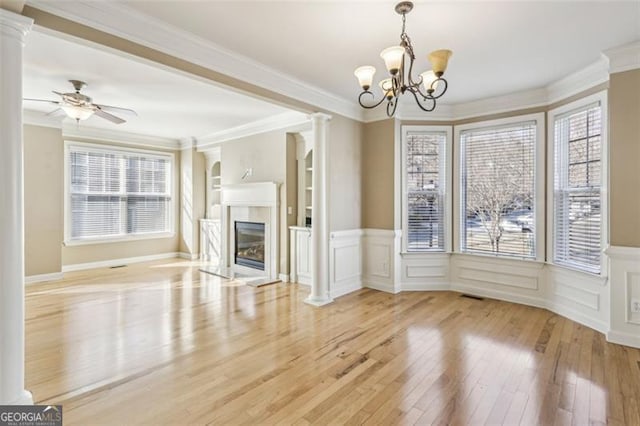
(249, 244)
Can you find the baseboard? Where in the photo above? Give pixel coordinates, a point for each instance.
(500, 295)
(621, 338)
(578, 317)
(380, 286)
(54, 276)
(188, 256)
(117, 262)
(284, 278)
(425, 287)
(345, 289)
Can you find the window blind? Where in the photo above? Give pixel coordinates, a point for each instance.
(498, 190)
(425, 190)
(115, 193)
(577, 183)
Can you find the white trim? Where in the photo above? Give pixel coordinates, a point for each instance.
(117, 262)
(623, 253)
(445, 159)
(539, 173)
(188, 256)
(590, 76)
(127, 23)
(117, 136)
(14, 25)
(276, 122)
(39, 118)
(40, 278)
(601, 98)
(622, 338)
(68, 241)
(284, 278)
(624, 58)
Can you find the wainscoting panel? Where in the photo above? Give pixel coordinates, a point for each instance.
(624, 278)
(580, 296)
(300, 250)
(378, 251)
(428, 271)
(506, 279)
(345, 271)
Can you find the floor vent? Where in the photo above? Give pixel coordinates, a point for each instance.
(471, 296)
(117, 266)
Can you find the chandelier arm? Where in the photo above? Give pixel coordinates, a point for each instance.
(425, 109)
(373, 96)
(446, 86)
(393, 105)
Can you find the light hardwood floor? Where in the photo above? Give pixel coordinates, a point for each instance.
(161, 343)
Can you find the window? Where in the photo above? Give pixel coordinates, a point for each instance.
(577, 183)
(498, 187)
(114, 193)
(424, 188)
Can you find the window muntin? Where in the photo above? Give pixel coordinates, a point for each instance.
(425, 190)
(498, 190)
(117, 193)
(577, 186)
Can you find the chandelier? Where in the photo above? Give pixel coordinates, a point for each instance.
(401, 78)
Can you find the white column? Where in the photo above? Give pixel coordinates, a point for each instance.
(320, 213)
(13, 29)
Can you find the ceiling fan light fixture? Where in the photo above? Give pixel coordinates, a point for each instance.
(76, 112)
(399, 61)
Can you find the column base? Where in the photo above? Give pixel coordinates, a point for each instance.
(318, 301)
(24, 399)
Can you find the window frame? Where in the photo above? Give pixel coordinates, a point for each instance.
(110, 149)
(539, 184)
(577, 105)
(447, 166)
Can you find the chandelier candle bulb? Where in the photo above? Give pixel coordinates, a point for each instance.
(365, 76)
(399, 62)
(429, 80)
(393, 58)
(387, 88)
(439, 60)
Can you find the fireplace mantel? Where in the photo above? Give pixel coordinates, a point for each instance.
(254, 202)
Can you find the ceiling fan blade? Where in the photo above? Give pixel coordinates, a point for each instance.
(116, 109)
(57, 93)
(55, 113)
(42, 100)
(112, 118)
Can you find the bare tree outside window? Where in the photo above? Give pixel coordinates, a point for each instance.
(498, 190)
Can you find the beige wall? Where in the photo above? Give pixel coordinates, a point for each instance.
(43, 195)
(192, 199)
(378, 174)
(624, 152)
(266, 155)
(344, 167)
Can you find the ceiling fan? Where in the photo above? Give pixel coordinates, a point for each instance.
(80, 107)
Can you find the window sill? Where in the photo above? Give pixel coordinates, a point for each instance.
(119, 239)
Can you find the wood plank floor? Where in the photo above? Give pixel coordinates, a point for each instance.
(161, 343)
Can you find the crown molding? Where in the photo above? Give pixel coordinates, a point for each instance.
(280, 121)
(117, 136)
(590, 76)
(577, 82)
(14, 25)
(624, 58)
(38, 118)
(127, 23)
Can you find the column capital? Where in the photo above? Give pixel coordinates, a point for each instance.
(14, 25)
(319, 116)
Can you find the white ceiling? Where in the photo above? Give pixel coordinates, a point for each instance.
(499, 47)
(169, 105)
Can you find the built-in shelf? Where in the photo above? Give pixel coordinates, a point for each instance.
(309, 169)
(309, 188)
(308, 207)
